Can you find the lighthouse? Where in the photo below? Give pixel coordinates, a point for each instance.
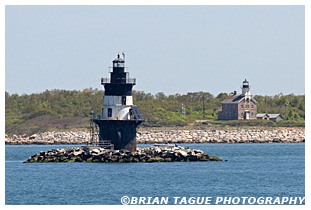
(246, 89)
(120, 118)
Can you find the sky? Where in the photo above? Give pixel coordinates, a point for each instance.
(170, 49)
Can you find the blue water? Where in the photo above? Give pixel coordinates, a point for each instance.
(259, 170)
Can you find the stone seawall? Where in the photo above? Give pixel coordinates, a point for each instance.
(98, 154)
(281, 135)
(223, 136)
(51, 137)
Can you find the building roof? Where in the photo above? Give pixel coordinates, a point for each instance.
(271, 116)
(235, 99)
(232, 99)
(274, 116)
(261, 115)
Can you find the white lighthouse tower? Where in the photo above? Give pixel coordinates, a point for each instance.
(246, 89)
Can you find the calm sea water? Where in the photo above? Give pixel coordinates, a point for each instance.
(259, 170)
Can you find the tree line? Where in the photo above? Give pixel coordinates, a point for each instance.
(158, 109)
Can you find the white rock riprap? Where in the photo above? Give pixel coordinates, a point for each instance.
(223, 136)
(51, 137)
(281, 135)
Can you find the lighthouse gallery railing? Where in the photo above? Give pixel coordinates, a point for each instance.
(119, 80)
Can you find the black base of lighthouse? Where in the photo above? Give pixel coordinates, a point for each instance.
(121, 133)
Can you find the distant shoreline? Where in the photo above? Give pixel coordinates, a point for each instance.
(276, 135)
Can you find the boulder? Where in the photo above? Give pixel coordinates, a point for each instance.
(183, 153)
(76, 153)
(33, 136)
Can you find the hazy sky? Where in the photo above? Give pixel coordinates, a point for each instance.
(170, 49)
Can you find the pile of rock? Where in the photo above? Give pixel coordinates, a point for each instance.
(51, 137)
(280, 135)
(98, 154)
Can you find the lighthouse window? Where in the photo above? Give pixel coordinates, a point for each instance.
(123, 100)
(109, 112)
(118, 64)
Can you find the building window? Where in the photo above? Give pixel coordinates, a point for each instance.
(242, 114)
(123, 100)
(241, 106)
(252, 114)
(109, 112)
(252, 106)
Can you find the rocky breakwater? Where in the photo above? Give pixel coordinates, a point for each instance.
(50, 137)
(98, 154)
(279, 135)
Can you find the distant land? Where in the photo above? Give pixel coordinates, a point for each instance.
(64, 110)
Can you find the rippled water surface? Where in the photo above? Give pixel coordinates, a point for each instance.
(252, 170)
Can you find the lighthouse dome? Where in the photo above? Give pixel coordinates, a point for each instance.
(118, 60)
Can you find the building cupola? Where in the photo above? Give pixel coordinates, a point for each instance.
(246, 88)
(245, 84)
